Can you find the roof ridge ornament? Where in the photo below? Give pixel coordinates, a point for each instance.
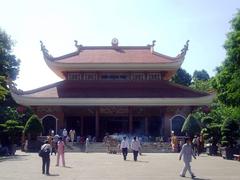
(115, 43)
(185, 48)
(45, 51)
(78, 46)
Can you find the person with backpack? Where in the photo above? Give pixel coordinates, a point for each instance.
(45, 155)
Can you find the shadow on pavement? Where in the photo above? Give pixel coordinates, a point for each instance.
(53, 175)
(13, 158)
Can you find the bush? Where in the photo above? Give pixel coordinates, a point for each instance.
(191, 126)
(14, 130)
(33, 127)
(229, 132)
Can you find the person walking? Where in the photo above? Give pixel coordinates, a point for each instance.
(135, 146)
(72, 135)
(60, 152)
(45, 154)
(64, 135)
(124, 146)
(187, 153)
(86, 144)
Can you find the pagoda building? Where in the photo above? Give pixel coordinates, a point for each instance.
(113, 89)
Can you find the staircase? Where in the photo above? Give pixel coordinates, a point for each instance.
(99, 147)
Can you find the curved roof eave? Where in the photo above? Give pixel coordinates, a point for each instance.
(34, 101)
(59, 68)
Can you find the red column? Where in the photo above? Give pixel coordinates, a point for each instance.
(146, 125)
(82, 124)
(97, 123)
(130, 127)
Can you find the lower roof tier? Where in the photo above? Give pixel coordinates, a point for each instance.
(97, 93)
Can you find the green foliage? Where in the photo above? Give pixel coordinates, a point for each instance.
(182, 77)
(230, 132)
(227, 80)
(11, 129)
(9, 67)
(211, 131)
(33, 126)
(202, 85)
(14, 129)
(200, 75)
(3, 91)
(191, 126)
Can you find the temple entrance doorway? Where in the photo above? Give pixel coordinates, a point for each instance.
(155, 126)
(49, 124)
(112, 125)
(138, 125)
(74, 122)
(177, 123)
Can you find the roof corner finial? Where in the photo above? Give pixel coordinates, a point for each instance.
(153, 43)
(45, 51)
(185, 48)
(78, 46)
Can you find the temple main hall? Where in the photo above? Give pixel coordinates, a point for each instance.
(113, 89)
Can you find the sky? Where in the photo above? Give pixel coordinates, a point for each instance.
(133, 22)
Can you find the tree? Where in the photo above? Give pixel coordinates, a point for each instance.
(182, 77)
(3, 91)
(227, 80)
(191, 126)
(9, 68)
(230, 132)
(33, 127)
(9, 64)
(14, 130)
(201, 85)
(201, 75)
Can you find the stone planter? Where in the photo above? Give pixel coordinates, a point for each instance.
(212, 150)
(227, 152)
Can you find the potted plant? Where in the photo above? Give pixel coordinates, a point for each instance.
(230, 134)
(11, 131)
(32, 130)
(211, 134)
(191, 126)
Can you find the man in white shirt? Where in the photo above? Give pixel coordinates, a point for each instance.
(124, 146)
(187, 153)
(135, 146)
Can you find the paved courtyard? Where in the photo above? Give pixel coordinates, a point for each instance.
(101, 166)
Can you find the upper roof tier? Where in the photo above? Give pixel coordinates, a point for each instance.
(113, 58)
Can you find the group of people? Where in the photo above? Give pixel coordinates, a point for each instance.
(135, 146)
(47, 148)
(186, 153)
(197, 143)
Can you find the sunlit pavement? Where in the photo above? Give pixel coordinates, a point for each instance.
(101, 166)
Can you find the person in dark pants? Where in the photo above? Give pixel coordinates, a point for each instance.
(46, 148)
(124, 146)
(135, 146)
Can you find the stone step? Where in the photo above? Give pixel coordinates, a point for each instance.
(100, 147)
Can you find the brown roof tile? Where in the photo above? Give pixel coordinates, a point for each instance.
(111, 55)
(103, 89)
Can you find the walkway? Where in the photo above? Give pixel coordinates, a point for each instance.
(101, 166)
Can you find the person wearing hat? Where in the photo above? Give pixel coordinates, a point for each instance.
(187, 153)
(124, 146)
(46, 149)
